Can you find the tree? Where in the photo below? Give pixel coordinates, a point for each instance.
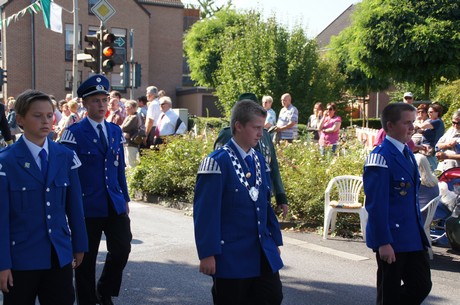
(239, 52)
(414, 41)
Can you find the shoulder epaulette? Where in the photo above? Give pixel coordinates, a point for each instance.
(267, 167)
(209, 166)
(2, 173)
(375, 159)
(68, 137)
(123, 140)
(76, 162)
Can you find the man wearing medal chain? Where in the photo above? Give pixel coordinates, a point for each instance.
(394, 228)
(237, 233)
(99, 146)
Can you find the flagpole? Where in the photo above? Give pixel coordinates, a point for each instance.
(76, 34)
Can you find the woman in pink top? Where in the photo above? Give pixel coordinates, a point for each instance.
(329, 127)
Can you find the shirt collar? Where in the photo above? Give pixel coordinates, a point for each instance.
(94, 124)
(241, 151)
(400, 146)
(34, 148)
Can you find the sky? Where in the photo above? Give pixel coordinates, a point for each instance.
(314, 15)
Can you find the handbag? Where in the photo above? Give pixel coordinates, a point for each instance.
(139, 136)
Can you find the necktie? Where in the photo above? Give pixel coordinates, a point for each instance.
(102, 137)
(250, 163)
(44, 162)
(157, 129)
(407, 155)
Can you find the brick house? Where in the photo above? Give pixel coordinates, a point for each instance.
(36, 57)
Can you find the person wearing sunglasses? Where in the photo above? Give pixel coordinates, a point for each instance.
(448, 146)
(329, 126)
(432, 129)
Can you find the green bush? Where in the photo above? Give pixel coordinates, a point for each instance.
(171, 172)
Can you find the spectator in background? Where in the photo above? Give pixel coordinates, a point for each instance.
(314, 119)
(62, 124)
(130, 128)
(428, 182)
(422, 116)
(286, 127)
(153, 114)
(432, 129)
(4, 128)
(142, 107)
(169, 122)
(448, 146)
(329, 127)
(11, 117)
(121, 104)
(116, 115)
(161, 93)
(267, 102)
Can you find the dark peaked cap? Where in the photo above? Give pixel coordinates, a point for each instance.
(95, 84)
(248, 96)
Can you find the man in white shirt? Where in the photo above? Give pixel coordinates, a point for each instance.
(169, 122)
(153, 112)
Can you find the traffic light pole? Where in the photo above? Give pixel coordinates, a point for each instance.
(76, 34)
(131, 43)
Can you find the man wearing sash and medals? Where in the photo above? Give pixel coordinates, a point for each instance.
(394, 228)
(237, 233)
(99, 146)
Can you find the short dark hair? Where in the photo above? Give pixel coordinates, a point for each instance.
(116, 93)
(437, 108)
(392, 113)
(26, 98)
(142, 99)
(245, 111)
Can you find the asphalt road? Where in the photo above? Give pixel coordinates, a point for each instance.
(163, 266)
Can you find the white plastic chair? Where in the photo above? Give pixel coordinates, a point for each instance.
(348, 189)
(430, 210)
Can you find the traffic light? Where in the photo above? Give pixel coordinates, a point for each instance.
(94, 49)
(124, 74)
(2, 76)
(137, 75)
(108, 51)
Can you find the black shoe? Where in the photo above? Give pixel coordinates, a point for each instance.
(104, 300)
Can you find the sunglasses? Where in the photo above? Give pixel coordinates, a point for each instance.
(455, 123)
(407, 98)
(330, 108)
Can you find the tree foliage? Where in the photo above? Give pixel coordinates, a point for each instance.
(414, 41)
(236, 52)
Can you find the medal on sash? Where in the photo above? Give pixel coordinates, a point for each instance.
(253, 190)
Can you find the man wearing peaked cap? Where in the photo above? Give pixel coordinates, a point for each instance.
(99, 145)
(95, 84)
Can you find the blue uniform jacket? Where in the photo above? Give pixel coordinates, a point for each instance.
(391, 188)
(36, 214)
(228, 224)
(102, 174)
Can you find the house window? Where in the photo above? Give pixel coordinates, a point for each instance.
(91, 3)
(69, 41)
(69, 79)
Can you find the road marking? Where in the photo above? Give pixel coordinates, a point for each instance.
(310, 246)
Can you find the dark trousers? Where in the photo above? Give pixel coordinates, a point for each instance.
(118, 237)
(413, 269)
(263, 290)
(52, 286)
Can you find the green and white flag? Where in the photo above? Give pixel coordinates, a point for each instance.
(52, 15)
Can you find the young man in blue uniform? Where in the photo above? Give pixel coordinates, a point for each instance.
(236, 231)
(42, 227)
(99, 145)
(394, 229)
(266, 147)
